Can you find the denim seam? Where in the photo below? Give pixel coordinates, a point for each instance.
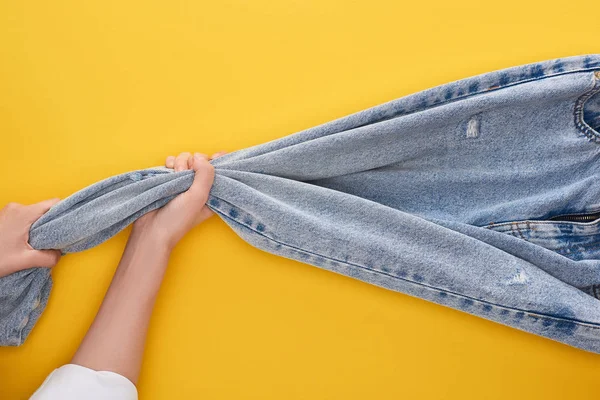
(516, 225)
(117, 179)
(492, 88)
(144, 174)
(27, 316)
(580, 123)
(560, 250)
(440, 88)
(540, 222)
(581, 324)
(529, 228)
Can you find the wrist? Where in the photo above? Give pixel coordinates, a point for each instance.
(144, 261)
(145, 236)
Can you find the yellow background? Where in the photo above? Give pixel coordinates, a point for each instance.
(89, 89)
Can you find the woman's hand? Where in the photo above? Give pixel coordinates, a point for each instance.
(167, 225)
(15, 252)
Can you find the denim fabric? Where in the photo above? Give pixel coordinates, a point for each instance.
(456, 194)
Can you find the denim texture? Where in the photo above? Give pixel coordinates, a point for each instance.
(455, 194)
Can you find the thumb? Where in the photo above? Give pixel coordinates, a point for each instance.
(41, 258)
(36, 210)
(203, 180)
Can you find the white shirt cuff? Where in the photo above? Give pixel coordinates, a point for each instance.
(72, 381)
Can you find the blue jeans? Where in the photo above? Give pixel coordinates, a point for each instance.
(481, 195)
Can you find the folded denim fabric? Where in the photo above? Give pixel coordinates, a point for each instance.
(482, 195)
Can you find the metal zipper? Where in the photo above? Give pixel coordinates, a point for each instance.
(576, 217)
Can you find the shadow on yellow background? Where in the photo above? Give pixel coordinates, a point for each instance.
(92, 89)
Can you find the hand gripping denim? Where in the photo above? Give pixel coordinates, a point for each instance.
(482, 195)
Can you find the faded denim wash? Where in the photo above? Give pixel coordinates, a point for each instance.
(481, 195)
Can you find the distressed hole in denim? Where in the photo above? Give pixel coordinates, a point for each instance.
(519, 278)
(473, 127)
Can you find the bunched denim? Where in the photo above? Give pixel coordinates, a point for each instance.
(481, 195)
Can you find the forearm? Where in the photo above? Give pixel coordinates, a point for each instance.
(116, 338)
(110, 356)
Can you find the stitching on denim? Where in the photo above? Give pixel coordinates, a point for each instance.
(519, 231)
(98, 188)
(468, 95)
(580, 123)
(540, 222)
(581, 324)
(581, 234)
(559, 250)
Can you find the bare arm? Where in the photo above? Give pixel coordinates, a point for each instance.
(116, 338)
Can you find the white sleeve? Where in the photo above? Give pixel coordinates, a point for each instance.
(72, 381)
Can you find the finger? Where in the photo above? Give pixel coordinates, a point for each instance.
(36, 210)
(170, 162)
(191, 160)
(181, 162)
(40, 258)
(218, 154)
(203, 180)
